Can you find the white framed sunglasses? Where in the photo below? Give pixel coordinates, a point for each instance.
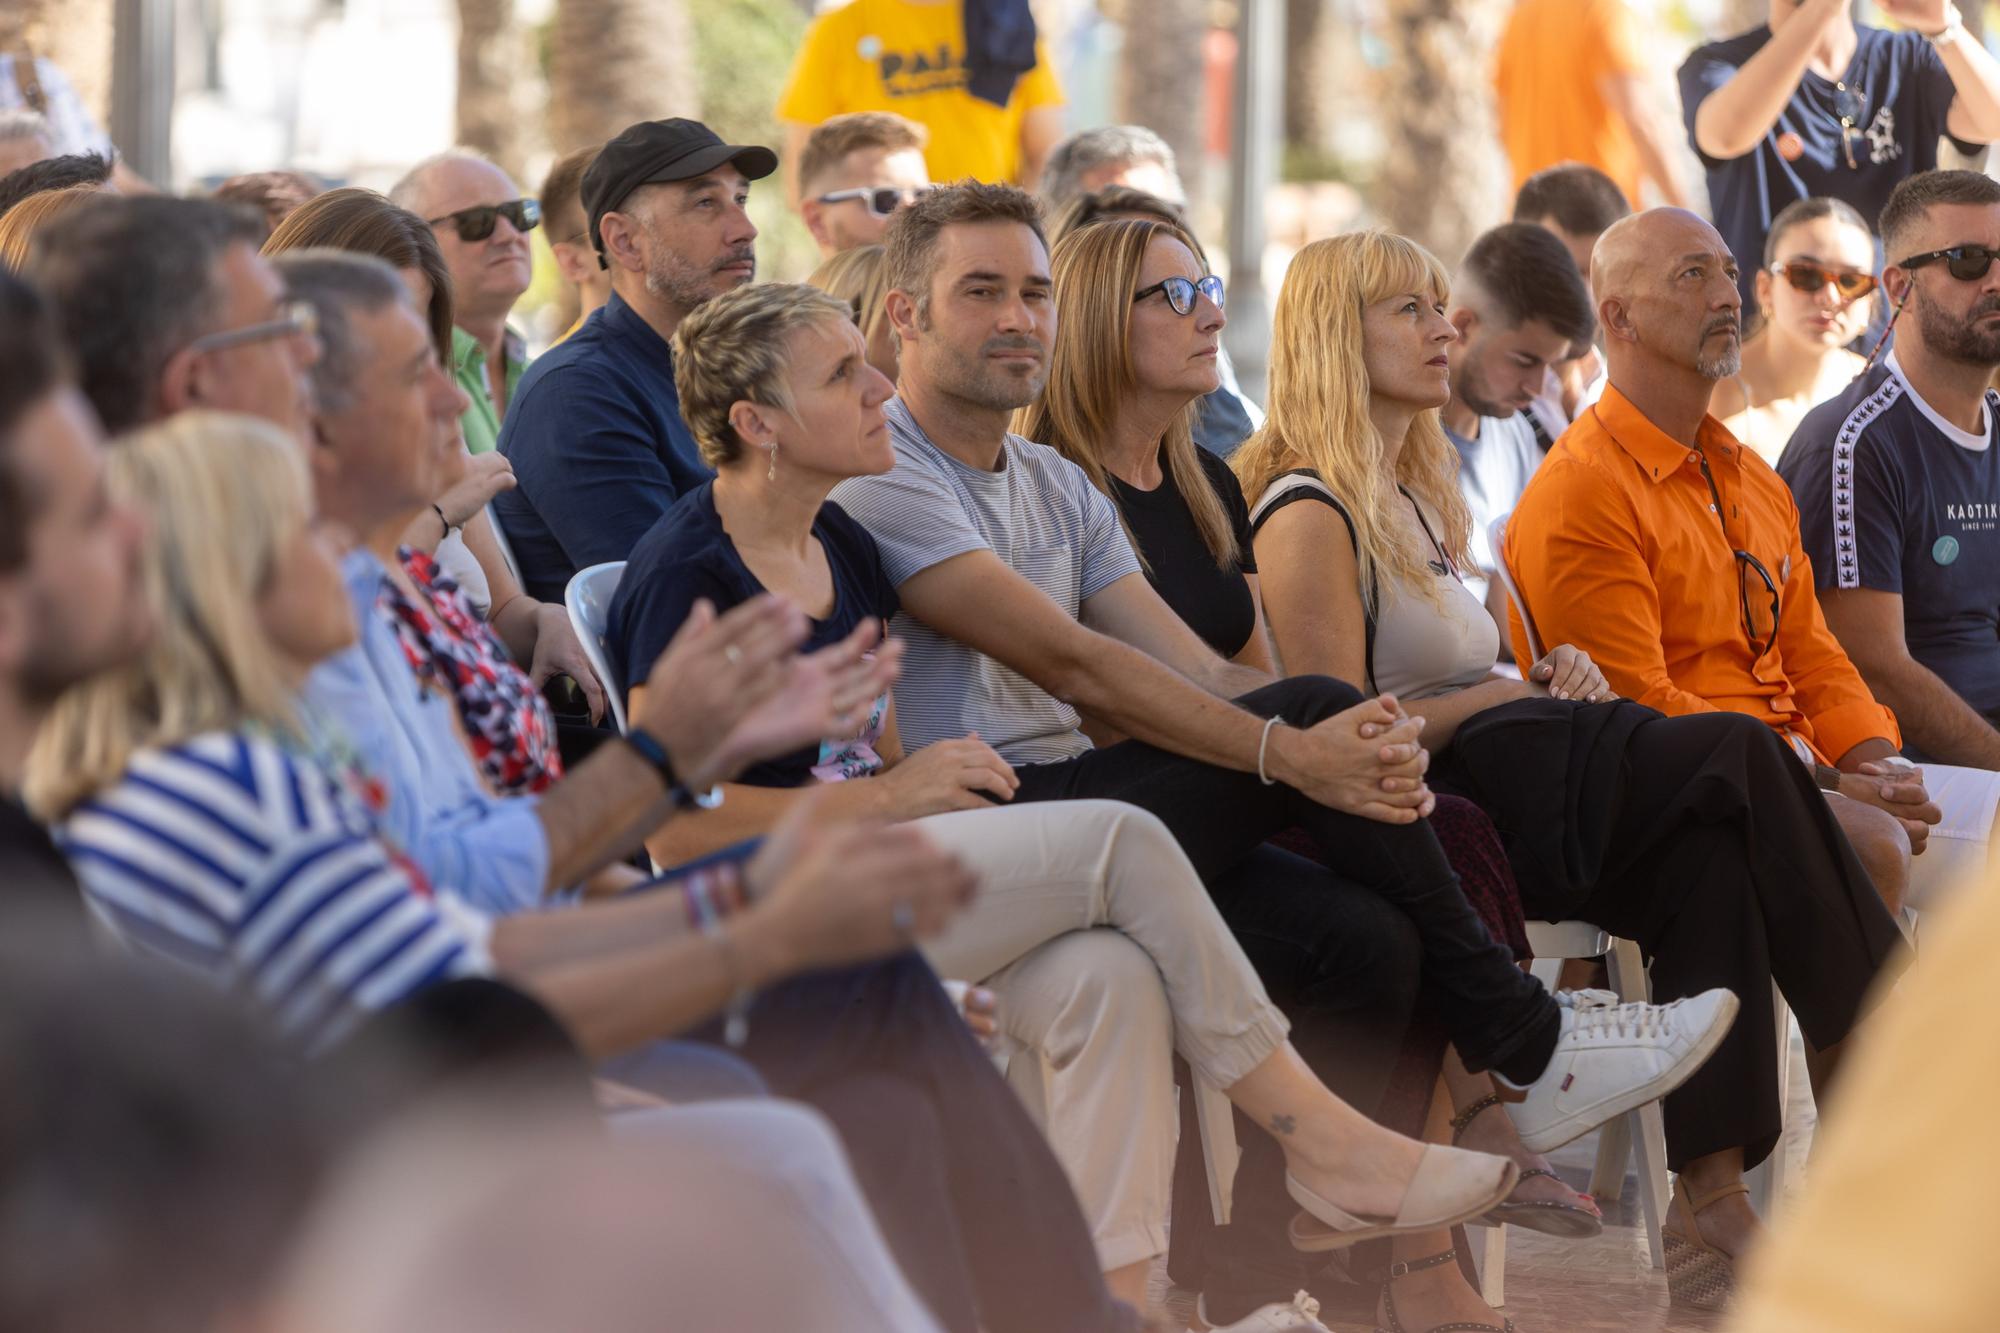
(880, 200)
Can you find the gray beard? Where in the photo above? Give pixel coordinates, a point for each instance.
(1720, 367)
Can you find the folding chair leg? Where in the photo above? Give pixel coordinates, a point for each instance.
(1493, 1266)
(1767, 1178)
(1217, 1121)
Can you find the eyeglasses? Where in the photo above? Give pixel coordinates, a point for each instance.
(1181, 292)
(1760, 618)
(297, 319)
(882, 200)
(1967, 263)
(1808, 277)
(477, 223)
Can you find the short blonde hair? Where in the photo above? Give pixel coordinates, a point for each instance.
(831, 141)
(223, 494)
(860, 277)
(733, 349)
(20, 224)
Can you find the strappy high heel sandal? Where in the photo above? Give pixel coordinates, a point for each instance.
(1396, 1324)
(1551, 1217)
(1699, 1276)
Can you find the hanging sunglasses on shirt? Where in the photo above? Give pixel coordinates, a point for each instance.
(477, 223)
(1966, 263)
(1182, 291)
(1762, 628)
(881, 201)
(1808, 277)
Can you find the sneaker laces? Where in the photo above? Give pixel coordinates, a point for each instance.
(1304, 1303)
(1587, 998)
(1623, 1020)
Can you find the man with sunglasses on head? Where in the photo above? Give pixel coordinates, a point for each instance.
(595, 434)
(1653, 540)
(482, 224)
(855, 172)
(1813, 103)
(1898, 488)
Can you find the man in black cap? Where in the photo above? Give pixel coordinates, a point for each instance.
(595, 434)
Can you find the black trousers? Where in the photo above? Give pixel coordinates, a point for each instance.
(1708, 844)
(1497, 1015)
(973, 1204)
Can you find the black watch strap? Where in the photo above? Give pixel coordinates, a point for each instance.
(648, 747)
(1827, 776)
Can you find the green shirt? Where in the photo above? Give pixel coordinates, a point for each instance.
(481, 421)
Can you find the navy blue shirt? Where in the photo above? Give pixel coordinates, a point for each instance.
(598, 447)
(1893, 497)
(688, 555)
(1905, 95)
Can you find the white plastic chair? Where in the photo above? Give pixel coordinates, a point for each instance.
(588, 601)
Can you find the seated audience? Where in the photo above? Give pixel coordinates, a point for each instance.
(69, 575)
(21, 222)
(481, 221)
(1520, 309)
(1577, 203)
(595, 434)
(25, 139)
(273, 193)
(1813, 301)
(1813, 105)
(1129, 155)
(1647, 541)
(855, 171)
(569, 234)
(776, 390)
(1700, 837)
(860, 277)
(967, 1193)
(1024, 607)
(1898, 485)
(1115, 203)
(1128, 431)
(56, 173)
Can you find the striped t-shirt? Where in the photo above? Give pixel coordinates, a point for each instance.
(230, 856)
(1039, 513)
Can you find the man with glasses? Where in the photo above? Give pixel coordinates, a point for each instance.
(482, 224)
(167, 305)
(855, 172)
(1898, 488)
(595, 434)
(1656, 542)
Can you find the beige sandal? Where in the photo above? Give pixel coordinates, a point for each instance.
(1449, 1186)
(1699, 1276)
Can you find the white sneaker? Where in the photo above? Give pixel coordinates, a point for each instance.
(1610, 1058)
(1301, 1316)
(1583, 998)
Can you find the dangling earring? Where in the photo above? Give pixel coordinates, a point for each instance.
(771, 473)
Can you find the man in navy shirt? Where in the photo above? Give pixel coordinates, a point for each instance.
(595, 434)
(1813, 103)
(1898, 480)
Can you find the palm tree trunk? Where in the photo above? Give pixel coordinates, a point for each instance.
(1160, 76)
(1442, 182)
(616, 62)
(493, 83)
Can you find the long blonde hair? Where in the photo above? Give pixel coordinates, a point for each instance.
(25, 220)
(1318, 410)
(222, 495)
(860, 277)
(1096, 269)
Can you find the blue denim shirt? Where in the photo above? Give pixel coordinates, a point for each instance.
(490, 850)
(599, 450)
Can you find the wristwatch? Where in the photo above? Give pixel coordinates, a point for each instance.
(1954, 24)
(1827, 776)
(647, 746)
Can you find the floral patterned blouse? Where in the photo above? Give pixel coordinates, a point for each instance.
(506, 720)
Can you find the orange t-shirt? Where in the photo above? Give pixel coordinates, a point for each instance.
(1617, 548)
(1546, 72)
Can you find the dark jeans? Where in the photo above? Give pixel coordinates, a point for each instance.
(973, 1204)
(1345, 965)
(1498, 1016)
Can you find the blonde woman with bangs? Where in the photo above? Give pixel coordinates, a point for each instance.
(1360, 534)
(860, 277)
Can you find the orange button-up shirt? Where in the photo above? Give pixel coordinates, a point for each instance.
(1618, 549)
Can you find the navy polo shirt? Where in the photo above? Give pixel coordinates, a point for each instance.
(599, 450)
(1905, 95)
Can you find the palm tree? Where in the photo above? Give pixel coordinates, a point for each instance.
(1160, 74)
(493, 109)
(613, 62)
(1442, 181)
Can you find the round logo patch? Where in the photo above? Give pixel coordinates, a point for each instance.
(1791, 147)
(1945, 550)
(869, 47)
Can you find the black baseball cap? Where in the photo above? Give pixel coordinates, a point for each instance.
(660, 150)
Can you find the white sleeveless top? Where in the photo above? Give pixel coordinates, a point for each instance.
(1420, 650)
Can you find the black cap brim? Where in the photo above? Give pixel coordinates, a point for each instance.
(753, 160)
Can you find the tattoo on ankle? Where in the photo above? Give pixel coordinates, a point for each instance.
(1284, 1124)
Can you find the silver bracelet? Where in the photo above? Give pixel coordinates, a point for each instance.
(1262, 746)
(1954, 25)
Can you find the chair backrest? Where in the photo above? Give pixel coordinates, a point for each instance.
(500, 540)
(1496, 537)
(588, 600)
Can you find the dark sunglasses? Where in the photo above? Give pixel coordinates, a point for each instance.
(1808, 277)
(881, 200)
(476, 224)
(1967, 263)
(1760, 617)
(1181, 292)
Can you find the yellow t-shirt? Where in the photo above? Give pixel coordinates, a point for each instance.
(1546, 70)
(891, 55)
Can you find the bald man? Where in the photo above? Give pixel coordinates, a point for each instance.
(1659, 545)
(482, 222)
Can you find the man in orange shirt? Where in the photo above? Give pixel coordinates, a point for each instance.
(1655, 542)
(1571, 80)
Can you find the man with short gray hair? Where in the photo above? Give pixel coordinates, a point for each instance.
(1112, 155)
